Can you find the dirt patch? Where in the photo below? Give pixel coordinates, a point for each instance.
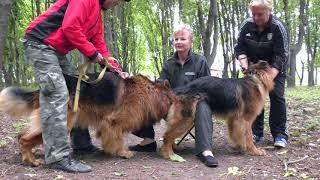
(300, 160)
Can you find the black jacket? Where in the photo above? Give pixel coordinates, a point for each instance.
(178, 75)
(271, 45)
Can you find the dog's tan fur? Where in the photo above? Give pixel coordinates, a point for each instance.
(246, 101)
(140, 102)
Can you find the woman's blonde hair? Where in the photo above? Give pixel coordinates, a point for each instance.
(181, 27)
(261, 3)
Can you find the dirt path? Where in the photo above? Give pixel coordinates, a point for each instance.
(301, 158)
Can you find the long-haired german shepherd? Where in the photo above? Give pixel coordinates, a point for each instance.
(113, 107)
(239, 101)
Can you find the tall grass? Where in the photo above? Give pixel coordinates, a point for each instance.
(304, 93)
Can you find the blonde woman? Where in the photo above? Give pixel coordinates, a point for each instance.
(181, 68)
(264, 37)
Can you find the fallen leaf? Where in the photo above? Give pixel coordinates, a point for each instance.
(120, 173)
(176, 158)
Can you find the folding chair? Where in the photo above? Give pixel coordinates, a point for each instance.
(185, 135)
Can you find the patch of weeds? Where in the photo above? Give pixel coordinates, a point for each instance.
(313, 124)
(3, 143)
(303, 140)
(220, 122)
(304, 93)
(295, 133)
(20, 124)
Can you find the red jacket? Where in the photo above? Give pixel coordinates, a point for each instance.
(71, 24)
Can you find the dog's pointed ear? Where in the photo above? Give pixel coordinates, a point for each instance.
(166, 83)
(263, 64)
(163, 82)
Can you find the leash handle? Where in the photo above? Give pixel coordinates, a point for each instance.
(83, 77)
(82, 71)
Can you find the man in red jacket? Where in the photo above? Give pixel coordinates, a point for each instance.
(66, 25)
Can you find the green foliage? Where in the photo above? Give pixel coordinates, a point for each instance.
(21, 124)
(304, 93)
(142, 31)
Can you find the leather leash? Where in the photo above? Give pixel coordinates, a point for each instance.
(83, 77)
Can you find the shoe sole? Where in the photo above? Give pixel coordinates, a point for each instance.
(279, 145)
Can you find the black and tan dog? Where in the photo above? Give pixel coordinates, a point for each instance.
(113, 107)
(239, 101)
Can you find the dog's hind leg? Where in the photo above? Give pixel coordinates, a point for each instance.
(30, 138)
(112, 142)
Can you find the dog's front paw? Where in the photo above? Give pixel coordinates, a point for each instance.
(166, 152)
(35, 162)
(126, 154)
(261, 152)
(258, 152)
(38, 162)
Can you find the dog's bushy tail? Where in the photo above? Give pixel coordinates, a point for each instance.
(18, 102)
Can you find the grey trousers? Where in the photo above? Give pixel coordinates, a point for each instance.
(49, 68)
(203, 127)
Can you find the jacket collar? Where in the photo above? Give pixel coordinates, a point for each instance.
(176, 57)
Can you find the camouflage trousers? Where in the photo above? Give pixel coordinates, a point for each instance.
(49, 67)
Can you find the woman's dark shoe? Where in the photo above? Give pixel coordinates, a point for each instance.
(152, 147)
(91, 149)
(71, 165)
(209, 161)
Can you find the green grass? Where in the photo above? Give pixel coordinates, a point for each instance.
(304, 93)
(21, 124)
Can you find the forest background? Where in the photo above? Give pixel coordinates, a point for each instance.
(138, 34)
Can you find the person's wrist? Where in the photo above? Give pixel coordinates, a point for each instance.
(242, 57)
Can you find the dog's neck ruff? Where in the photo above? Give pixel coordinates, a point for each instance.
(261, 81)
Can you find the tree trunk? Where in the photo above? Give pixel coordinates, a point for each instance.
(206, 29)
(295, 48)
(5, 6)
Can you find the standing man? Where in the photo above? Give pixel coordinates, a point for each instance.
(66, 25)
(183, 67)
(264, 37)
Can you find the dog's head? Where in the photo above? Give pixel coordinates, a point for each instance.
(258, 68)
(262, 70)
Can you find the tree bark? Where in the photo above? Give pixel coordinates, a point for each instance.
(206, 30)
(295, 48)
(5, 6)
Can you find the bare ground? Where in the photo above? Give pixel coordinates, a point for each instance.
(300, 160)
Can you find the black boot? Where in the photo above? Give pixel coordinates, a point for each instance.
(152, 147)
(71, 165)
(81, 142)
